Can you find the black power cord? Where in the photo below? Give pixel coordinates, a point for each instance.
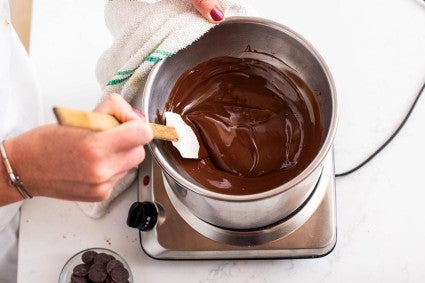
(388, 140)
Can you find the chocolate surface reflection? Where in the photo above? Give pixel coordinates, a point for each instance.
(258, 126)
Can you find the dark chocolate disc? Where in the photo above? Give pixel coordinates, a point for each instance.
(102, 258)
(81, 270)
(120, 274)
(97, 272)
(88, 257)
(112, 264)
(78, 279)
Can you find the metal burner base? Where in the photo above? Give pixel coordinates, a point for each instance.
(178, 234)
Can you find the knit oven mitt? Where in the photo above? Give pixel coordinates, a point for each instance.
(145, 32)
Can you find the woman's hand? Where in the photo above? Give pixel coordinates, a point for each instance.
(78, 164)
(210, 9)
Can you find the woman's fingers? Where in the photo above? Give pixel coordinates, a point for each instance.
(134, 132)
(127, 135)
(116, 106)
(210, 9)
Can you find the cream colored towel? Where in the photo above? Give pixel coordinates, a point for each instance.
(144, 33)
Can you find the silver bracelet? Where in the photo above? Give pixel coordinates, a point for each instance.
(15, 180)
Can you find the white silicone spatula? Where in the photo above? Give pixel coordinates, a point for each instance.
(176, 130)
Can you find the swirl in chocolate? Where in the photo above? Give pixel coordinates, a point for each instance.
(258, 126)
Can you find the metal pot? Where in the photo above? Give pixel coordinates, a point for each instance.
(230, 38)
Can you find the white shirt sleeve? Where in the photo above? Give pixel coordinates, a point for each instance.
(20, 109)
(20, 104)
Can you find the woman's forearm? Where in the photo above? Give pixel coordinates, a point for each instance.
(76, 164)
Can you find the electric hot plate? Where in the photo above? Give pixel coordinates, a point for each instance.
(168, 230)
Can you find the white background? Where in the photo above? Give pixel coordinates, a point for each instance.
(375, 50)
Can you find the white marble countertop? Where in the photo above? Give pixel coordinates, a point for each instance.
(376, 53)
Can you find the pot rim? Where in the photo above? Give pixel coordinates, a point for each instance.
(328, 142)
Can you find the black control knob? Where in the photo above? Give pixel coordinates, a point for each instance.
(142, 215)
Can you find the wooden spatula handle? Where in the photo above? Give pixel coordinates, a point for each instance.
(163, 132)
(100, 122)
(87, 120)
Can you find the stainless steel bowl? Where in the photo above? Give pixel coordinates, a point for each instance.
(231, 38)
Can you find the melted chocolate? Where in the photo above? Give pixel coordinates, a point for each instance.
(258, 126)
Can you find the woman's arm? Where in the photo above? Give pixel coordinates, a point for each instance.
(76, 164)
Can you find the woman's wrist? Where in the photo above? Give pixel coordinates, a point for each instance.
(14, 179)
(8, 193)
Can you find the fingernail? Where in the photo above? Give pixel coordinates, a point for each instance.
(216, 14)
(140, 114)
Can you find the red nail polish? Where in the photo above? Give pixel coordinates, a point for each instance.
(216, 14)
(140, 114)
